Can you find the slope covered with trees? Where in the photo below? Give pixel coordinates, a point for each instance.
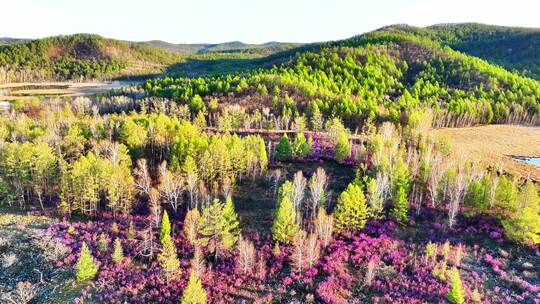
(513, 48)
(386, 75)
(80, 57)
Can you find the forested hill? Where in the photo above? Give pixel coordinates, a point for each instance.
(80, 56)
(226, 47)
(384, 75)
(514, 48)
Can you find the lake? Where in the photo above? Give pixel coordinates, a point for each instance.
(530, 160)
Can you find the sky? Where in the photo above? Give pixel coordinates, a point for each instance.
(250, 21)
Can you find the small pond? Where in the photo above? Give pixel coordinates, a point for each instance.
(530, 160)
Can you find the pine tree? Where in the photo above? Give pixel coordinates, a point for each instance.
(400, 210)
(165, 230)
(455, 295)
(301, 147)
(342, 147)
(86, 267)
(194, 292)
(524, 225)
(351, 211)
(285, 226)
(230, 226)
(167, 257)
(118, 253)
(284, 149)
(400, 188)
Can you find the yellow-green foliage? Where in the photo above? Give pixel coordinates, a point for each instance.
(285, 225)
(194, 292)
(506, 194)
(167, 257)
(524, 224)
(351, 211)
(165, 230)
(86, 268)
(118, 253)
(455, 295)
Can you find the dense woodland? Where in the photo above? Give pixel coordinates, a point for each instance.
(147, 181)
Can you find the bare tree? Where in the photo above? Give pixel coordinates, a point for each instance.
(143, 182)
(317, 190)
(155, 206)
(246, 255)
(455, 197)
(324, 225)
(191, 180)
(306, 250)
(298, 255)
(313, 249)
(170, 187)
(191, 227)
(436, 173)
(299, 185)
(197, 262)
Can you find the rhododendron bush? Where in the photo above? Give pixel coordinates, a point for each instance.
(383, 263)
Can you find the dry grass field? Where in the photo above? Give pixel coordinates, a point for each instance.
(496, 145)
(12, 91)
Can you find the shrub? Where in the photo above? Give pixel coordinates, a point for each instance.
(86, 267)
(351, 211)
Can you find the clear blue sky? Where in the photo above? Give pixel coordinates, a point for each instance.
(252, 21)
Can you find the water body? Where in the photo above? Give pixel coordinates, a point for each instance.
(530, 160)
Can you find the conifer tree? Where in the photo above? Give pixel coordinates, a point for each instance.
(524, 225)
(285, 225)
(86, 267)
(455, 295)
(230, 226)
(194, 292)
(118, 253)
(165, 230)
(301, 147)
(342, 147)
(167, 257)
(400, 210)
(284, 149)
(351, 211)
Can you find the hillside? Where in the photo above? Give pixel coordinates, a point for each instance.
(80, 56)
(385, 75)
(514, 48)
(226, 47)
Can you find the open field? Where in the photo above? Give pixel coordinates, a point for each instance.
(496, 145)
(10, 91)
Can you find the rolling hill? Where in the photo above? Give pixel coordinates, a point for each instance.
(387, 74)
(514, 48)
(80, 56)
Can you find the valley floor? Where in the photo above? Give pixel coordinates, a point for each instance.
(497, 145)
